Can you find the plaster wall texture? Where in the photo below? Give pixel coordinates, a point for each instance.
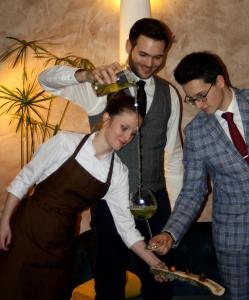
(90, 28)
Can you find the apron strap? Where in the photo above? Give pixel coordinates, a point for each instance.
(110, 170)
(80, 145)
(111, 164)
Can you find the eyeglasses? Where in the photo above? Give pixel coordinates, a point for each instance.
(201, 97)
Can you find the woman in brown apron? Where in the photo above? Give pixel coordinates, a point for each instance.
(37, 233)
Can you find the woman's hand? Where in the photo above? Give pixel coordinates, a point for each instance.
(160, 265)
(5, 235)
(149, 257)
(11, 204)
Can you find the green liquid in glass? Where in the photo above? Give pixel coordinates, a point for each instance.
(105, 89)
(143, 212)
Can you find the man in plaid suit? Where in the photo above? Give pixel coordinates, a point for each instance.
(210, 152)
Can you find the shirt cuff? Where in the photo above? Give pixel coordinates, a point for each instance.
(171, 235)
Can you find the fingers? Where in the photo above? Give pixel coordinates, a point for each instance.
(106, 74)
(159, 276)
(162, 250)
(161, 243)
(116, 67)
(5, 240)
(8, 241)
(161, 265)
(155, 244)
(3, 244)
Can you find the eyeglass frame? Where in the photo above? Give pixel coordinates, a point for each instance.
(200, 98)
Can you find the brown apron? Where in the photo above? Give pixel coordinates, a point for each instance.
(37, 265)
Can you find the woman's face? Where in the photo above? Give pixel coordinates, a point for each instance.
(121, 129)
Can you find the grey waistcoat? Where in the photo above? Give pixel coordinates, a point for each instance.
(153, 141)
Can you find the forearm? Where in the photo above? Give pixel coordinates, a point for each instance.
(57, 77)
(72, 84)
(148, 256)
(173, 165)
(194, 188)
(11, 204)
(173, 168)
(185, 211)
(83, 76)
(122, 217)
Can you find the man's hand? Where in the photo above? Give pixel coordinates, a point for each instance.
(161, 243)
(104, 75)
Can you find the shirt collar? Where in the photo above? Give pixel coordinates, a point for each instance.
(233, 107)
(90, 147)
(149, 85)
(148, 81)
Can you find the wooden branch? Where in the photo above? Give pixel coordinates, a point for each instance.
(193, 279)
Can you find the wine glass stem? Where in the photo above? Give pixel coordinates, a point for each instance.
(149, 229)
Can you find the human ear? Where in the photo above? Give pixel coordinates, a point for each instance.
(106, 118)
(220, 81)
(128, 46)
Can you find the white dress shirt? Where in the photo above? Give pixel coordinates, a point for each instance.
(60, 81)
(233, 108)
(53, 153)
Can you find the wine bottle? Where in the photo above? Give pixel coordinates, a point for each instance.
(125, 79)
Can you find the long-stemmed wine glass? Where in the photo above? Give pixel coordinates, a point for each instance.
(143, 204)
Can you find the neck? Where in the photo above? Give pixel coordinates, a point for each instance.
(228, 96)
(101, 146)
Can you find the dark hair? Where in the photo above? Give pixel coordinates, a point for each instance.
(151, 28)
(120, 102)
(117, 103)
(200, 65)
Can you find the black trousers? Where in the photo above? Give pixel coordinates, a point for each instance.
(113, 258)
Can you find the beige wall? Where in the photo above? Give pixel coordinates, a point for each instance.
(89, 28)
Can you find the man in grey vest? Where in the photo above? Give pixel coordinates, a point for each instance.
(147, 46)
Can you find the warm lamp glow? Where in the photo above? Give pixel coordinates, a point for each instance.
(113, 5)
(130, 12)
(9, 78)
(117, 3)
(157, 4)
(12, 78)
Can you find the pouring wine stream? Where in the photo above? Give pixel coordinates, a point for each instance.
(143, 204)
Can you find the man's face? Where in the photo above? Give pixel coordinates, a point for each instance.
(146, 57)
(216, 98)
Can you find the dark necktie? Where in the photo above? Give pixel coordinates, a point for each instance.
(141, 97)
(237, 138)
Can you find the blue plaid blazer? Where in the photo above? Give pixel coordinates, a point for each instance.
(209, 152)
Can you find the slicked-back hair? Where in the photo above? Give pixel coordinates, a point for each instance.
(151, 28)
(205, 66)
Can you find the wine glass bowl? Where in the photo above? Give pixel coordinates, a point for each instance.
(143, 204)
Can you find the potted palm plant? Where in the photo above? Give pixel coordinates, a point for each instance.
(28, 105)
